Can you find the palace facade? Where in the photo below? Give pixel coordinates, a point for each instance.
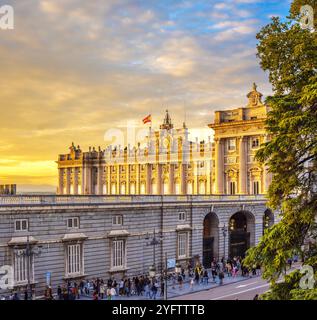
(200, 200)
(170, 163)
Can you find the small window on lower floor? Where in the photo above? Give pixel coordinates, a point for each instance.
(73, 223)
(117, 220)
(232, 187)
(118, 254)
(21, 225)
(182, 216)
(182, 245)
(74, 262)
(256, 187)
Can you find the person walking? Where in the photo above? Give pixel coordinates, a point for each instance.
(180, 281)
(154, 290)
(191, 284)
(221, 277)
(113, 293)
(205, 277)
(102, 291)
(214, 270)
(108, 293)
(59, 292)
(162, 287)
(95, 295)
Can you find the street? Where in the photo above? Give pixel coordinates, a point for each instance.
(242, 290)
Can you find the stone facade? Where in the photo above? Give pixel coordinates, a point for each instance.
(85, 248)
(171, 164)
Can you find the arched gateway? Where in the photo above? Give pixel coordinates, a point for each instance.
(210, 239)
(241, 233)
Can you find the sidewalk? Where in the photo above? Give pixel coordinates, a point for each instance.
(176, 291)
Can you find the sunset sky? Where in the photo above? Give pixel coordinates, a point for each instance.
(73, 69)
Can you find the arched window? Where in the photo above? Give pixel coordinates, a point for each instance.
(190, 187)
(165, 186)
(142, 188)
(132, 188)
(154, 186)
(122, 188)
(202, 187)
(113, 188)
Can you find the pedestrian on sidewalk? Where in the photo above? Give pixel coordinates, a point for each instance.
(95, 295)
(221, 276)
(59, 293)
(108, 293)
(180, 281)
(196, 277)
(191, 284)
(214, 270)
(113, 293)
(102, 290)
(154, 290)
(162, 287)
(205, 277)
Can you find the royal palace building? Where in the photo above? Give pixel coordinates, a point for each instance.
(171, 164)
(120, 211)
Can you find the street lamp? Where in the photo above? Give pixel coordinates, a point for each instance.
(29, 253)
(154, 242)
(224, 233)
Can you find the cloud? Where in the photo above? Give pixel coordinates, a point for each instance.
(75, 69)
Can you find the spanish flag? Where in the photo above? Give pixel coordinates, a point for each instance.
(147, 119)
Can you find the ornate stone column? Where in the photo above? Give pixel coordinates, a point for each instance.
(183, 180)
(195, 172)
(60, 181)
(148, 186)
(219, 167)
(138, 178)
(208, 175)
(242, 165)
(108, 179)
(76, 180)
(68, 181)
(266, 175)
(99, 179)
(171, 179)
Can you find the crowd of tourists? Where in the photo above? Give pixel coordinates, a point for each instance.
(152, 288)
(149, 287)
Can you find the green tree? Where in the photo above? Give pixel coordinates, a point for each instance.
(289, 55)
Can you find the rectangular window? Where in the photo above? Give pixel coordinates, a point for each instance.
(232, 144)
(73, 223)
(182, 216)
(21, 267)
(182, 245)
(232, 187)
(255, 143)
(117, 220)
(21, 225)
(256, 187)
(74, 259)
(118, 254)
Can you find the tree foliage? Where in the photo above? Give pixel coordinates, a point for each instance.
(289, 55)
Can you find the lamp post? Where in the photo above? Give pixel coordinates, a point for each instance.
(29, 253)
(154, 242)
(224, 233)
